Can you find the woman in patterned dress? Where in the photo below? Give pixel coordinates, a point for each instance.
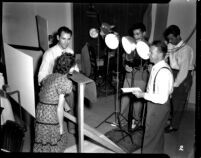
(49, 132)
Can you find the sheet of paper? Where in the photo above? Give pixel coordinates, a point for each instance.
(129, 90)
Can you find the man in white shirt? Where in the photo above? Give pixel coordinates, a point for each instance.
(64, 35)
(181, 61)
(159, 88)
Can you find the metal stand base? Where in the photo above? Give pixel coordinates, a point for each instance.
(117, 124)
(117, 115)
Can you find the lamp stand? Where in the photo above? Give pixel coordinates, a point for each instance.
(117, 114)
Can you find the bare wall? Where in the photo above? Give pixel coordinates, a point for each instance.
(19, 22)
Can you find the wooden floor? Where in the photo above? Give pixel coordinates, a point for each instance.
(177, 145)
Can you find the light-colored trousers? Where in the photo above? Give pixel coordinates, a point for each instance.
(140, 80)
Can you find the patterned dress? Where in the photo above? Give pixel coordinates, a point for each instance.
(47, 135)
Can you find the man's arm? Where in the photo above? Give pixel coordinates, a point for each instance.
(162, 88)
(45, 67)
(184, 62)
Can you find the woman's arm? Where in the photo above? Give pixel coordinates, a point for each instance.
(60, 112)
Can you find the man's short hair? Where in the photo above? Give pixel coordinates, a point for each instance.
(64, 29)
(136, 26)
(140, 26)
(161, 46)
(172, 29)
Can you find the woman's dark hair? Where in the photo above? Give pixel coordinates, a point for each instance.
(161, 46)
(63, 63)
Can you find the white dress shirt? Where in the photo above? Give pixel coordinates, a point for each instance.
(49, 58)
(163, 83)
(181, 59)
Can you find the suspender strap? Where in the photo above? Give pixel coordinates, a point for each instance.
(157, 74)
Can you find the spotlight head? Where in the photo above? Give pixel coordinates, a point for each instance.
(128, 44)
(112, 41)
(143, 50)
(93, 32)
(141, 47)
(106, 28)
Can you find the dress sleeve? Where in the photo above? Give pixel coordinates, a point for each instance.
(64, 85)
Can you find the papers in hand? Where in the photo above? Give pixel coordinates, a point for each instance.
(129, 90)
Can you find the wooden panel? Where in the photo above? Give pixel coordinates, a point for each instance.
(19, 69)
(97, 136)
(42, 26)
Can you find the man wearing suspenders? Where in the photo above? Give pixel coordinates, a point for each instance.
(159, 88)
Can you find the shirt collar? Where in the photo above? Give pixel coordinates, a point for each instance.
(159, 64)
(60, 48)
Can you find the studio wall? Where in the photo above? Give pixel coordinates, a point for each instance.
(19, 22)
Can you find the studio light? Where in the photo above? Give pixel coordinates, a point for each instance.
(93, 32)
(128, 44)
(143, 50)
(112, 41)
(141, 47)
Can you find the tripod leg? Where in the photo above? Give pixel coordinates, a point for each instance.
(143, 125)
(130, 114)
(123, 117)
(120, 126)
(105, 119)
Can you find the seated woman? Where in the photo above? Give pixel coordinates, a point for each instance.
(49, 131)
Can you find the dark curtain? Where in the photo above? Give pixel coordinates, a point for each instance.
(123, 16)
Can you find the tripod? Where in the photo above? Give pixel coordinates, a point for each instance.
(116, 113)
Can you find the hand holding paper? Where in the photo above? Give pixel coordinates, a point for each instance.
(129, 90)
(138, 93)
(135, 90)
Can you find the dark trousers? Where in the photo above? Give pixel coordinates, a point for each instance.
(156, 118)
(179, 99)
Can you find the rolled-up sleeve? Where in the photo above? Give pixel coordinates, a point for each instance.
(184, 64)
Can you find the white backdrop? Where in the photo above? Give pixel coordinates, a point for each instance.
(20, 76)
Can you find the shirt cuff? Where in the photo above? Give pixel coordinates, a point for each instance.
(146, 96)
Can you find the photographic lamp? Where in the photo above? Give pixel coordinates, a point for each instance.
(129, 45)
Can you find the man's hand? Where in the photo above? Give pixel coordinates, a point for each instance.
(138, 94)
(128, 68)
